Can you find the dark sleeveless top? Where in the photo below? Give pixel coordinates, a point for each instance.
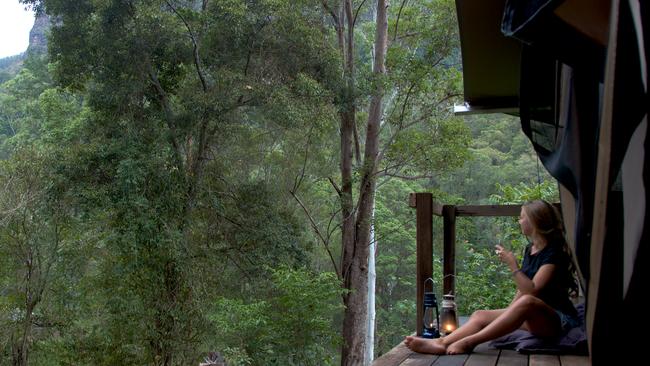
(556, 292)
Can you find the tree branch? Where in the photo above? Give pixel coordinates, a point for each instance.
(242, 270)
(332, 13)
(449, 96)
(336, 187)
(197, 60)
(406, 101)
(356, 13)
(407, 35)
(403, 225)
(318, 233)
(164, 101)
(399, 14)
(407, 177)
(412, 123)
(357, 146)
(397, 167)
(298, 181)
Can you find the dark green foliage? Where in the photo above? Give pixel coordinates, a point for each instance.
(291, 326)
(482, 282)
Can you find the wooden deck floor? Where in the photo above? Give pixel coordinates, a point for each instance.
(482, 356)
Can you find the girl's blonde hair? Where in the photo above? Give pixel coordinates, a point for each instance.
(546, 220)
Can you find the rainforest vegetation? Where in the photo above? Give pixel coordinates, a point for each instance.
(182, 177)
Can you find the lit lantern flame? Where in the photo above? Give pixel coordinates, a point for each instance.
(449, 327)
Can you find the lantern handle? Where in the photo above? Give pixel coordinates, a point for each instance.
(445, 277)
(425, 284)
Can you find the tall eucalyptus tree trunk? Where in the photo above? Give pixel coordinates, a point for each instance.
(357, 223)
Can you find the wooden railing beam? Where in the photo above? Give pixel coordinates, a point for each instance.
(488, 210)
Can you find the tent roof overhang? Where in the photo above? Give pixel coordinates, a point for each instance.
(491, 61)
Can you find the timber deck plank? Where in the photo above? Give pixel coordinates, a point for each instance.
(572, 360)
(394, 357)
(544, 360)
(511, 358)
(451, 360)
(419, 359)
(483, 355)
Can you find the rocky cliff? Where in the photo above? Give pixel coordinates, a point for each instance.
(9, 66)
(38, 35)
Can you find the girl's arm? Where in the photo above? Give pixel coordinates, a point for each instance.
(524, 284)
(533, 286)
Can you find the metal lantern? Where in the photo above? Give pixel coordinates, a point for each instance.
(431, 319)
(449, 320)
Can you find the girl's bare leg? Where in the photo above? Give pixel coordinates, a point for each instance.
(476, 322)
(529, 311)
(479, 320)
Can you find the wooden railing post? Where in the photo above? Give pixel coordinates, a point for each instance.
(449, 249)
(423, 203)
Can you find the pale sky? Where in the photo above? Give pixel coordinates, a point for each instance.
(15, 24)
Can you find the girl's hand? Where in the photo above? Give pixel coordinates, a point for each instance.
(506, 256)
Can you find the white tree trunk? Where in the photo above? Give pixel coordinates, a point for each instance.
(372, 274)
(372, 277)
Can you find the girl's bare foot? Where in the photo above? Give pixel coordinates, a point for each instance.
(460, 346)
(423, 345)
